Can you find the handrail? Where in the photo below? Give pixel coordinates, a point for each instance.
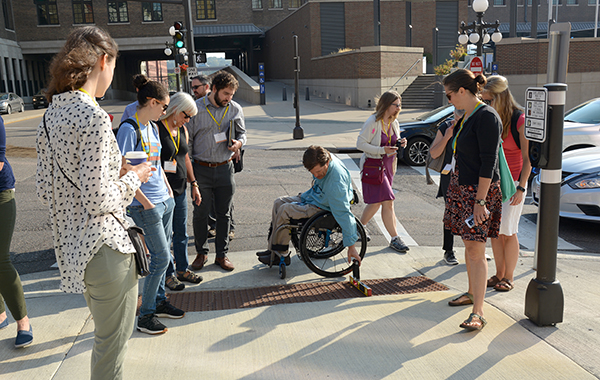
(402, 77)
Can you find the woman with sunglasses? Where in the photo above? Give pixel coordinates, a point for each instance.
(178, 168)
(377, 140)
(474, 190)
(516, 150)
(152, 207)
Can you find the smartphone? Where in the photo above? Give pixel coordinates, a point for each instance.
(470, 221)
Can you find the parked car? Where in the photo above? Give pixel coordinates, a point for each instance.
(10, 102)
(580, 186)
(420, 133)
(39, 99)
(582, 126)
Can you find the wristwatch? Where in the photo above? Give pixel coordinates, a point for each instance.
(481, 202)
(194, 183)
(521, 188)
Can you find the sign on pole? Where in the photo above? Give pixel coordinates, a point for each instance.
(177, 70)
(191, 72)
(536, 99)
(476, 65)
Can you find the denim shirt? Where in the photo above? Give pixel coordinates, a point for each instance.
(334, 193)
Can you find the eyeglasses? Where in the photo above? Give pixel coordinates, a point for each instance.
(487, 101)
(196, 87)
(186, 115)
(399, 105)
(165, 106)
(449, 95)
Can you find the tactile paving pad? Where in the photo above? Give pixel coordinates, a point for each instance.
(295, 293)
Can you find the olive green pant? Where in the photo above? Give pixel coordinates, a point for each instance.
(11, 289)
(111, 295)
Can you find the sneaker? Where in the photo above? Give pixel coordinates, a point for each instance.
(149, 324)
(24, 338)
(449, 258)
(398, 245)
(488, 257)
(231, 234)
(173, 283)
(166, 310)
(212, 232)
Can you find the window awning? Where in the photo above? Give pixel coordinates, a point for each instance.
(228, 30)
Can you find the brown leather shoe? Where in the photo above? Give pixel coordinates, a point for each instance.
(224, 263)
(199, 262)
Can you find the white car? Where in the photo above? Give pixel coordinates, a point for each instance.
(580, 187)
(582, 126)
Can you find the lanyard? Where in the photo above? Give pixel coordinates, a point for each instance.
(145, 146)
(172, 139)
(211, 115)
(388, 134)
(88, 94)
(479, 104)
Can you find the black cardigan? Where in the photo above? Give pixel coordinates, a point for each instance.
(477, 146)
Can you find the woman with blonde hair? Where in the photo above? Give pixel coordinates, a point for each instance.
(81, 179)
(377, 139)
(178, 169)
(516, 150)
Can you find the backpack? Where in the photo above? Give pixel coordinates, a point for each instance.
(138, 132)
(513, 127)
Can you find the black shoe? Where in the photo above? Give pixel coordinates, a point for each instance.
(263, 253)
(449, 258)
(166, 310)
(149, 324)
(265, 259)
(212, 232)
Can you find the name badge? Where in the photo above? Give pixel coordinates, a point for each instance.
(447, 169)
(220, 137)
(453, 163)
(170, 166)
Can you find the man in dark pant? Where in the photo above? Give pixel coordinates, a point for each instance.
(213, 148)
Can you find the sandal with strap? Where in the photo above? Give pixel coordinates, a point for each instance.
(472, 325)
(492, 281)
(463, 299)
(504, 286)
(173, 283)
(189, 276)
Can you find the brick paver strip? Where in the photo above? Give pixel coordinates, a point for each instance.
(272, 295)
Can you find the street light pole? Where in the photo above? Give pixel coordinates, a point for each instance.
(479, 31)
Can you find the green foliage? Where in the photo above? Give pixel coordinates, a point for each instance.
(456, 55)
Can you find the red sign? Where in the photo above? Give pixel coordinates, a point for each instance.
(476, 66)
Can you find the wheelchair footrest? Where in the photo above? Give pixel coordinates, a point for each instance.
(364, 289)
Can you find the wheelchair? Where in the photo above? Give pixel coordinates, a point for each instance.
(319, 243)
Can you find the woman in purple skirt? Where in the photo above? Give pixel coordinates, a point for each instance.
(377, 140)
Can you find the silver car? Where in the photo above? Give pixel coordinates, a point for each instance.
(10, 102)
(580, 187)
(582, 126)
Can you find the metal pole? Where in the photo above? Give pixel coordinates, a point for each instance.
(596, 19)
(188, 22)
(298, 131)
(480, 32)
(544, 299)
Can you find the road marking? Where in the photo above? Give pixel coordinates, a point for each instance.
(527, 229)
(355, 175)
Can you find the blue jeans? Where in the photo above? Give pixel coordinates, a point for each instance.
(158, 227)
(180, 236)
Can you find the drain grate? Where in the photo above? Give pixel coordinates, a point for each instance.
(297, 293)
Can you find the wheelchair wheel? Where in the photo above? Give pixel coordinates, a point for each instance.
(282, 270)
(322, 248)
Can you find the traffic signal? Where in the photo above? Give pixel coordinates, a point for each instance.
(178, 36)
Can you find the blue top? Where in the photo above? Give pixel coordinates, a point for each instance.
(334, 193)
(7, 178)
(155, 189)
(129, 111)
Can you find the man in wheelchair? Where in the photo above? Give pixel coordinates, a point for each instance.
(331, 190)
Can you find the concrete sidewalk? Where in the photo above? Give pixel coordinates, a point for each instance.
(396, 336)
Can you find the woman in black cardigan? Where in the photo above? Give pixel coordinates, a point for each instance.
(474, 188)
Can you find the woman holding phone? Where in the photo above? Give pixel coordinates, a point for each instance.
(377, 139)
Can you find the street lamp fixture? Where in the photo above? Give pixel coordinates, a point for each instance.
(478, 32)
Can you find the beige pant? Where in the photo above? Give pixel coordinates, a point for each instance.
(284, 209)
(111, 296)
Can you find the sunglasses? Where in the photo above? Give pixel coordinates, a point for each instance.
(165, 106)
(186, 115)
(487, 101)
(449, 95)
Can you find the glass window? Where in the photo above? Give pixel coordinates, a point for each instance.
(559, 2)
(7, 13)
(152, 12)
(275, 4)
(117, 12)
(591, 2)
(205, 10)
(295, 3)
(256, 4)
(571, 2)
(47, 12)
(499, 3)
(83, 12)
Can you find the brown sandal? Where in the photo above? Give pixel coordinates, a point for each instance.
(189, 276)
(474, 325)
(463, 299)
(504, 286)
(492, 281)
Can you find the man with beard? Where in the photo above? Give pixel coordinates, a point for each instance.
(212, 151)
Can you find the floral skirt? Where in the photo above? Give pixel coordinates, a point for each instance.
(460, 200)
